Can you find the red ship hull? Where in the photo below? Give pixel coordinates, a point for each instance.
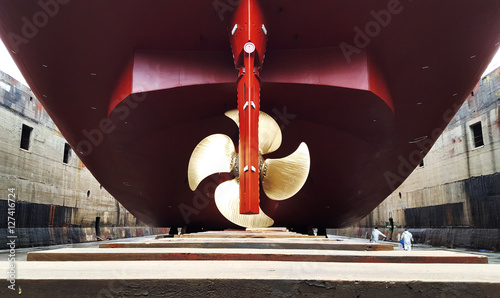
(368, 86)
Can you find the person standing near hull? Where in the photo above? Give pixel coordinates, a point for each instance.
(375, 234)
(407, 238)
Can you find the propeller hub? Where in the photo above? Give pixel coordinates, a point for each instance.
(235, 166)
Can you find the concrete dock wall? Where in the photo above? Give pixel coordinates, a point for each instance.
(57, 200)
(453, 197)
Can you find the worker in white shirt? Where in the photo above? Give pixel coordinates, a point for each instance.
(375, 234)
(407, 238)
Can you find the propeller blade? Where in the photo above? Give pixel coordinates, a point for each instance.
(214, 154)
(227, 199)
(269, 134)
(269, 131)
(233, 114)
(284, 177)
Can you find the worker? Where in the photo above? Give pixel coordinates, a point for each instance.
(407, 239)
(375, 234)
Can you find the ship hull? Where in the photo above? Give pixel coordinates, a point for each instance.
(369, 87)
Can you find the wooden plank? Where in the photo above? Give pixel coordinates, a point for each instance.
(250, 233)
(252, 279)
(175, 254)
(251, 243)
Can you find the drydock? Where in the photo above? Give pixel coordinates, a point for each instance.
(265, 263)
(348, 103)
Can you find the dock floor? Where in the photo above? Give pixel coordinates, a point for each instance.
(129, 268)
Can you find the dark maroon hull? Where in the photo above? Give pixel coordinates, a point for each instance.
(162, 73)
